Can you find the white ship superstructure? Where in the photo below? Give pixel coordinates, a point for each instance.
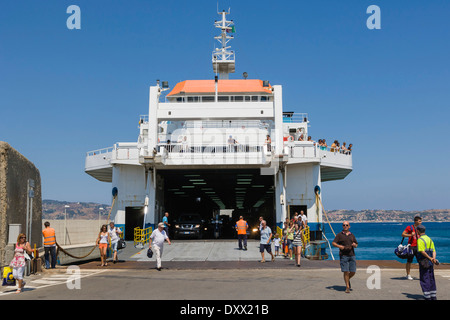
(210, 145)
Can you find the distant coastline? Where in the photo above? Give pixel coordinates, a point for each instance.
(432, 215)
(55, 209)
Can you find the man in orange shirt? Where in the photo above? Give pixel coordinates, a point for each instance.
(241, 228)
(49, 245)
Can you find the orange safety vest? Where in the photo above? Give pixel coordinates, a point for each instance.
(49, 236)
(242, 226)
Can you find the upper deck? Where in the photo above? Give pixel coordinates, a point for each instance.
(232, 142)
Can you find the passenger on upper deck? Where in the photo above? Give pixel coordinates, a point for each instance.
(334, 146)
(344, 148)
(324, 144)
(232, 144)
(169, 146)
(268, 143)
(349, 149)
(184, 144)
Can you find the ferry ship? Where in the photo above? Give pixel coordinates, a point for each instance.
(217, 146)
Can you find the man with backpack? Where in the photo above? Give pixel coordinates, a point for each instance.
(411, 233)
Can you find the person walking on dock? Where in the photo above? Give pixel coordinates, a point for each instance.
(165, 220)
(265, 244)
(158, 237)
(346, 242)
(411, 233)
(114, 233)
(297, 244)
(426, 257)
(102, 242)
(18, 262)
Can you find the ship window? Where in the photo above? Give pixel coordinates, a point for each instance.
(208, 99)
(254, 98)
(239, 98)
(247, 98)
(180, 99)
(192, 99)
(224, 99)
(263, 98)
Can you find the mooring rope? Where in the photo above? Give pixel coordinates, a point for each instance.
(75, 257)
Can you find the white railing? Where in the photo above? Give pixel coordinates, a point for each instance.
(295, 118)
(301, 150)
(336, 150)
(183, 148)
(143, 119)
(235, 124)
(99, 152)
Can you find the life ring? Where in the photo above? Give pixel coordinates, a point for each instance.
(290, 138)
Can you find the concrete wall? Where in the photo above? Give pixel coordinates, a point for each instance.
(80, 237)
(78, 231)
(15, 170)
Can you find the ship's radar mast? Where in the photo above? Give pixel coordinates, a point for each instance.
(223, 58)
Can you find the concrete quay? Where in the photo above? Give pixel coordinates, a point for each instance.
(208, 272)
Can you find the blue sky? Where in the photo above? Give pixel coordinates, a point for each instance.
(65, 92)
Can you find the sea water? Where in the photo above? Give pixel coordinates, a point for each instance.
(378, 240)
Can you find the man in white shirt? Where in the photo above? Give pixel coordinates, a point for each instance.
(158, 237)
(114, 233)
(304, 219)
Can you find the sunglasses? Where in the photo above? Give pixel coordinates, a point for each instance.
(345, 225)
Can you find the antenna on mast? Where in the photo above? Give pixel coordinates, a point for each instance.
(223, 58)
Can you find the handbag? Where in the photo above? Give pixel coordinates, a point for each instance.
(149, 252)
(121, 244)
(8, 278)
(404, 252)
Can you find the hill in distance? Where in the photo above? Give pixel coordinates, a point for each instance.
(56, 210)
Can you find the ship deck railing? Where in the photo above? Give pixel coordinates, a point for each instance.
(291, 117)
(183, 148)
(99, 151)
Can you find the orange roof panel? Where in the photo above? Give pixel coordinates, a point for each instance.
(224, 86)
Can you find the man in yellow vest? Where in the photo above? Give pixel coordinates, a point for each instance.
(241, 228)
(49, 245)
